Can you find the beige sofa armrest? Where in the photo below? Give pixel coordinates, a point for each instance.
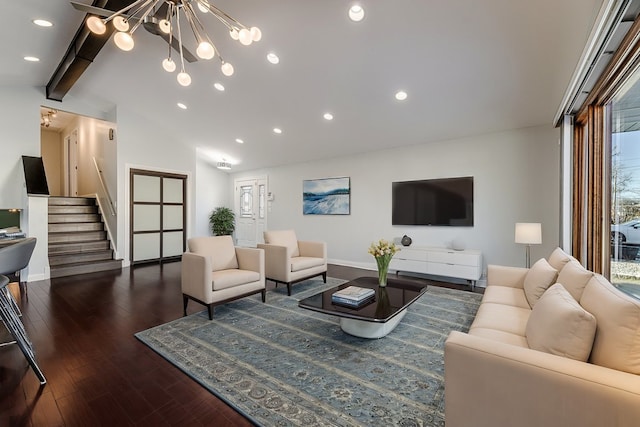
(312, 249)
(251, 259)
(196, 276)
(489, 383)
(277, 262)
(500, 275)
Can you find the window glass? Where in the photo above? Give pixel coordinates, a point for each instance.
(625, 187)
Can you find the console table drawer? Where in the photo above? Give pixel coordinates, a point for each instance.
(451, 270)
(408, 265)
(459, 258)
(412, 254)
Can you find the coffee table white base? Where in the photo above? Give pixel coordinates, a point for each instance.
(364, 329)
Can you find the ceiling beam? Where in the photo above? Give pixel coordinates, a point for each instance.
(82, 50)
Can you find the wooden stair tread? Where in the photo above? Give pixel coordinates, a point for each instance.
(78, 242)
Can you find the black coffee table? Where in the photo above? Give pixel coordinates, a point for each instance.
(373, 320)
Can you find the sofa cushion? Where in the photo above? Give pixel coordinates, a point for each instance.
(501, 336)
(574, 278)
(502, 318)
(560, 326)
(223, 279)
(283, 238)
(559, 258)
(540, 276)
(305, 262)
(505, 295)
(617, 341)
(219, 248)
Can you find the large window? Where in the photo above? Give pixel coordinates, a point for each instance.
(624, 155)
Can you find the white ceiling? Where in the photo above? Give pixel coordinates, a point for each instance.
(470, 67)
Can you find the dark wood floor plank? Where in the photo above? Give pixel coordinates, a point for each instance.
(98, 373)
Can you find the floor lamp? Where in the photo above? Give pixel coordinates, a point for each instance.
(528, 233)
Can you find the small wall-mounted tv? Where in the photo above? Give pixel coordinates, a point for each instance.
(439, 202)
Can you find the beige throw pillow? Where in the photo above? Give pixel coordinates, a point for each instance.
(574, 278)
(560, 326)
(559, 258)
(617, 342)
(539, 277)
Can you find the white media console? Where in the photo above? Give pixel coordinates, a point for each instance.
(436, 261)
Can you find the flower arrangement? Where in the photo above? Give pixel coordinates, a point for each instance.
(383, 251)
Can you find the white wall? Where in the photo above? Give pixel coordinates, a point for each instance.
(146, 145)
(52, 155)
(20, 123)
(212, 191)
(516, 179)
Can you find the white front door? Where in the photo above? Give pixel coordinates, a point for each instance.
(250, 208)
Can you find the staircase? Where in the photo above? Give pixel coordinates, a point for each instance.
(78, 242)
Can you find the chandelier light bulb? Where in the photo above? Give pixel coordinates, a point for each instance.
(245, 37)
(205, 50)
(234, 33)
(124, 41)
(356, 13)
(96, 25)
(165, 26)
(227, 69)
(121, 23)
(168, 65)
(256, 34)
(202, 5)
(184, 79)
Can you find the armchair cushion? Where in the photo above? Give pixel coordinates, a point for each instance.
(303, 263)
(220, 250)
(283, 238)
(223, 279)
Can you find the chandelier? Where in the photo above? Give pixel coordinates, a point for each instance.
(166, 14)
(47, 118)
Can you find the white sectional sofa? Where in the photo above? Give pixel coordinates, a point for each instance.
(554, 345)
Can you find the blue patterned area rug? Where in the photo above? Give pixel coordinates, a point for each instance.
(278, 364)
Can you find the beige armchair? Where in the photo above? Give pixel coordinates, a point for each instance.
(289, 260)
(215, 272)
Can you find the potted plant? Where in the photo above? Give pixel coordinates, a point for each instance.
(222, 221)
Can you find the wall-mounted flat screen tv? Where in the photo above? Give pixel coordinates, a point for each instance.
(439, 202)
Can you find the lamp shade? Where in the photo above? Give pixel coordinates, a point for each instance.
(529, 233)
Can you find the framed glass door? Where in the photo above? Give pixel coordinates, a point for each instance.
(158, 216)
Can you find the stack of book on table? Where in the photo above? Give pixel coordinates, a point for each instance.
(353, 296)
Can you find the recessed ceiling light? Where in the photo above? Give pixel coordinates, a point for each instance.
(181, 105)
(273, 58)
(401, 95)
(31, 59)
(277, 130)
(239, 141)
(328, 116)
(42, 23)
(218, 85)
(356, 13)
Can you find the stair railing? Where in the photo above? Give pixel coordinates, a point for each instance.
(104, 198)
(104, 194)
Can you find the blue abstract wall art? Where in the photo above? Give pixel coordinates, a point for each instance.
(327, 196)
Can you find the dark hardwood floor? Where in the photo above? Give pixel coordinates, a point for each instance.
(98, 373)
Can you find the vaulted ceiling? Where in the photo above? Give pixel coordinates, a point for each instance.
(468, 67)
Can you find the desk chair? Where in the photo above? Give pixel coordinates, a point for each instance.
(14, 258)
